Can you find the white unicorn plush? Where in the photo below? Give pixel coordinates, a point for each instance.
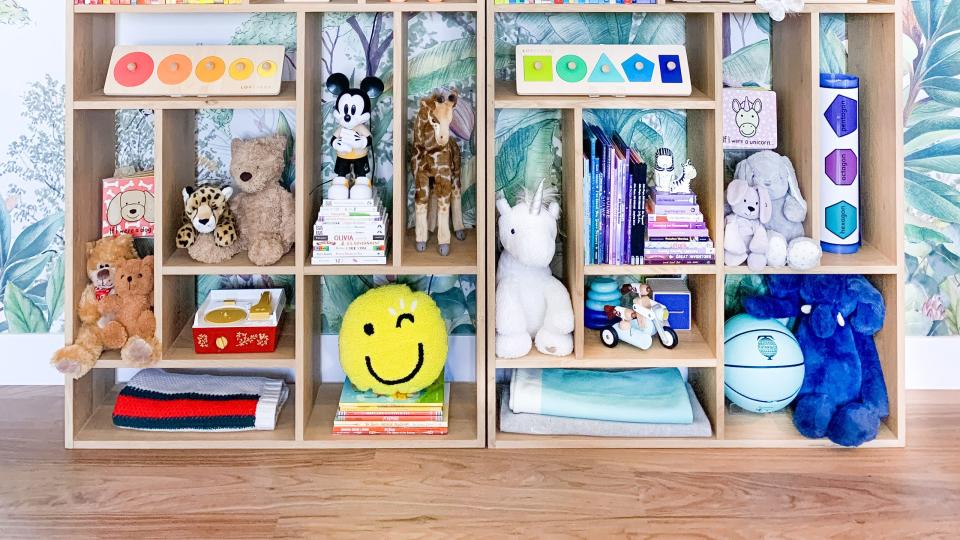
(532, 305)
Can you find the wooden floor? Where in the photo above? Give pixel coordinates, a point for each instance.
(46, 491)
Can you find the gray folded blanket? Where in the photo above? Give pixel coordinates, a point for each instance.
(541, 424)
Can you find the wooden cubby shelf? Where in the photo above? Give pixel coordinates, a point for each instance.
(874, 55)
(306, 419)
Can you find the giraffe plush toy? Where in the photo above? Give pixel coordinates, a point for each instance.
(436, 171)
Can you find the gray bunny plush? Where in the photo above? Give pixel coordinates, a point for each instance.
(788, 209)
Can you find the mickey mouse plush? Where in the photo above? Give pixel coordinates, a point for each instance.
(352, 138)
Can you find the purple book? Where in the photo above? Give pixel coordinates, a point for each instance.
(676, 225)
(680, 209)
(657, 237)
(674, 198)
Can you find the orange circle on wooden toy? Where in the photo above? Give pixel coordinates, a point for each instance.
(133, 69)
(174, 69)
(267, 68)
(210, 69)
(241, 68)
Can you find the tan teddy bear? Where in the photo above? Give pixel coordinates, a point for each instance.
(132, 326)
(264, 209)
(103, 259)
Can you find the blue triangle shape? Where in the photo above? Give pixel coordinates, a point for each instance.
(605, 71)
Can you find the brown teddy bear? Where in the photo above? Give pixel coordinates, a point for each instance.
(264, 209)
(132, 325)
(104, 257)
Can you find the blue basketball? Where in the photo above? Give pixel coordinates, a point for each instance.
(763, 364)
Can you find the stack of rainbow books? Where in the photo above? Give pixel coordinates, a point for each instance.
(676, 231)
(365, 413)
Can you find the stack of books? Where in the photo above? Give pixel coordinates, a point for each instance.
(365, 413)
(676, 231)
(615, 188)
(351, 231)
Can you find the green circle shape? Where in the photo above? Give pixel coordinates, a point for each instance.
(579, 71)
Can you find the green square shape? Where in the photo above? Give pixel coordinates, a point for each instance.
(532, 74)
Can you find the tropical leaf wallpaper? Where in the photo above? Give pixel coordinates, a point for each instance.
(931, 50)
(31, 181)
(527, 143)
(442, 52)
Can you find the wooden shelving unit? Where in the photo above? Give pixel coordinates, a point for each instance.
(874, 55)
(306, 420)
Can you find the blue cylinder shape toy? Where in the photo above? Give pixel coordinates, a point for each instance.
(840, 159)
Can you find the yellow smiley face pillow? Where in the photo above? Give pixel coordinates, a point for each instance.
(393, 340)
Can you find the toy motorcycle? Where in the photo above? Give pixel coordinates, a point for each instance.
(636, 326)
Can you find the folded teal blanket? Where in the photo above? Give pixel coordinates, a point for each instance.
(657, 396)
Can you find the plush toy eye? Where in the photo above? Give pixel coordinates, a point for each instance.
(404, 317)
(139, 275)
(353, 109)
(513, 231)
(368, 329)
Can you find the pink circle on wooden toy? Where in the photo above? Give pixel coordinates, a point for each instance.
(133, 69)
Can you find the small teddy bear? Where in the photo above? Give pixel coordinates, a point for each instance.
(264, 209)
(132, 326)
(104, 257)
(745, 236)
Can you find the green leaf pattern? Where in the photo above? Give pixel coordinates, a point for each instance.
(932, 166)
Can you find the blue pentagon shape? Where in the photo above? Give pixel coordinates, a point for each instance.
(842, 219)
(841, 115)
(670, 69)
(638, 68)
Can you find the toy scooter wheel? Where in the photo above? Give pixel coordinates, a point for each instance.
(609, 337)
(671, 340)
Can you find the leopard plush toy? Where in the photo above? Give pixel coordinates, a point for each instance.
(209, 230)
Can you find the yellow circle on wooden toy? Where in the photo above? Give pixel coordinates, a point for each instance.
(210, 69)
(393, 340)
(241, 69)
(267, 68)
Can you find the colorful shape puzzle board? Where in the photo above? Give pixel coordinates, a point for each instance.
(198, 70)
(603, 70)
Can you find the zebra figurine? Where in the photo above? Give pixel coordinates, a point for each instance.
(665, 177)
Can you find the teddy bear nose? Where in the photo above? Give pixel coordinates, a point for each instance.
(203, 221)
(751, 208)
(245, 176)
(103, 273)
(129, 279)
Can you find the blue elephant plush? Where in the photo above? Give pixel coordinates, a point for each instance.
(843, 396)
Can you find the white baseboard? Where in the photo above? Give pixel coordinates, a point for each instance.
(933, 363)
(25, 359)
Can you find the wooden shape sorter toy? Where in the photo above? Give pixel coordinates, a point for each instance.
(197, 70)
(603, 70)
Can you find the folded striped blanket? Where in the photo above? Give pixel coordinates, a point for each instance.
(155, 400)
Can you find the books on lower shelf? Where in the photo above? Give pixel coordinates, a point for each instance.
(350, 232)
(426, 412)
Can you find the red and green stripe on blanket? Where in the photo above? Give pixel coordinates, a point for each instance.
(156, 400)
